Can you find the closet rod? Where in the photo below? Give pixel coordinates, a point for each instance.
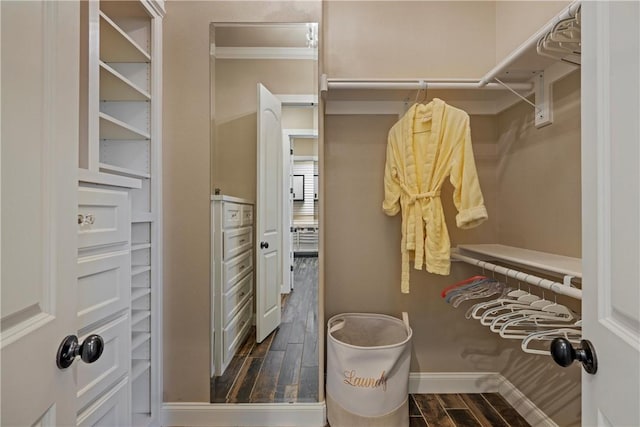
(531, 43)
(416, 84)
(556, 287)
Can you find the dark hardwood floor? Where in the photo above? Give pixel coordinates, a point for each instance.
(284, 367)
(462, 410)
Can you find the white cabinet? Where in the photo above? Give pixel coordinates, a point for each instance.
(232, 279)
(104, 282)
(120, 159)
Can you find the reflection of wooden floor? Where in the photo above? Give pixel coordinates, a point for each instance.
(284, 367)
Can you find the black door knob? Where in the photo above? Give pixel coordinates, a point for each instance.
(564, 354)
(89, 351)
(264, 245)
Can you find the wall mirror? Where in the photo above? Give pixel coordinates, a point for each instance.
(264, 132)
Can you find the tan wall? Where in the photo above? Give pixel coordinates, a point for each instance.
(516, 21)
(362, 250)
(187, 166)
(539, 175)
(234, 144)
(299, 117)
(305, 146)
(539, 205)
(393, 39)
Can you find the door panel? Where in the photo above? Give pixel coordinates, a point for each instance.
(40, 54)
(268, 214)
(611, 208)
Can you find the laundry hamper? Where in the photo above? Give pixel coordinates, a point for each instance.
(368, 370)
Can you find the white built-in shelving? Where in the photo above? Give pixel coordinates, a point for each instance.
(524, 265)
(122, 147)
(124, 171)
(140, 246)
(116, 87)
(139, 269)
(116, 45)
(533, 260)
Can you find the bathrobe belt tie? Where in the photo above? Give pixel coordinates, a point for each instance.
(419, 229)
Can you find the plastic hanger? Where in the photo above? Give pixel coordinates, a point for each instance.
(529, 321)
(542, 313)
(424, 97)
(520, 303)
(510, 296)
(477, 286)
(491, 289)
(473, 311)
(428, 116)
(461, 283)
(574, 335)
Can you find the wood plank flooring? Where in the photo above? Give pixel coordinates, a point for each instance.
(462, 410)
(284, 367)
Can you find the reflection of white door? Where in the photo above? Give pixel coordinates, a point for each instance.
(611, 209)
(268, 214)
(40, 54)
(287, 212)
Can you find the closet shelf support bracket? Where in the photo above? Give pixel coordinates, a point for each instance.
(542, 88)
(567, 280)
(543, 98)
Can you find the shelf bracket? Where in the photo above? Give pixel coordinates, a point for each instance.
(324, 85)
(542, 88)
(543, 99)
(566, 281)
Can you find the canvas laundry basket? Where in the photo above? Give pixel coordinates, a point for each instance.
(368, 370)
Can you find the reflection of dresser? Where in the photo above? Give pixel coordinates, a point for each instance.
(232, 277)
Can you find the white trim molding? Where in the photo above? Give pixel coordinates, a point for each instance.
(314, 414)
(241, 414)
(454, 382)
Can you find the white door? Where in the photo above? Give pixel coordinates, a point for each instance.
(268, 214)
(611, 210)
(289, 254)
(287, 214)
(40, 54)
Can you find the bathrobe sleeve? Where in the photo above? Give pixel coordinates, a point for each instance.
(467, 195)
(391, 203)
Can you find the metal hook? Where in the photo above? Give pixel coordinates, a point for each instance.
(423, 85)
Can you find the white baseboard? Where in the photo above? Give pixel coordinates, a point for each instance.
(454, 382)
(524, 406)
(243, 414)
(314, 414)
